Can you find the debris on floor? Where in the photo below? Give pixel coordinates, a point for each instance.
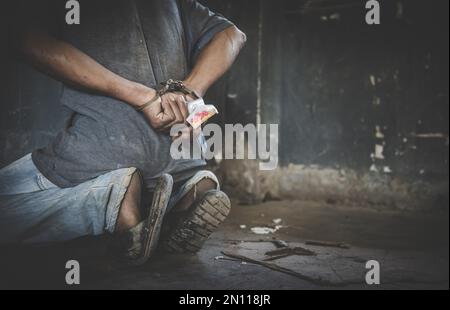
(340, 245)
(280, 243)
(277, 221)
(288, 251)
(263, 230)
(336, 266)
(316, 281)
(221, 257)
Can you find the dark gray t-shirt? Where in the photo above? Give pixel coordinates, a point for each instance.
(147, 41)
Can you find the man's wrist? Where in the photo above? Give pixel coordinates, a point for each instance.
(137, 94)
(200, 91)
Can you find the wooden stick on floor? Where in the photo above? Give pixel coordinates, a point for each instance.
(275, 267)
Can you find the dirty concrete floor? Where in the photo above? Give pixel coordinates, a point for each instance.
(412, 249)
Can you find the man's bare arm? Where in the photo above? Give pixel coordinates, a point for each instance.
(215, 59)
(70, 65)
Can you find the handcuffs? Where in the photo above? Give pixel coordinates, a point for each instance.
(169, 86)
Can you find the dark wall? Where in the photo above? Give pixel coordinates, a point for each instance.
(344, 78)
(331, 80)
(30, 113)
(315, 68)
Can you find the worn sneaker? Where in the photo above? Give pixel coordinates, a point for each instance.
(142, 240)
(202, 219)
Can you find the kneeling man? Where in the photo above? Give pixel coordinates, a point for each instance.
(110, 169)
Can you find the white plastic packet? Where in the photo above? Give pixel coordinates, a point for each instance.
(199, 112)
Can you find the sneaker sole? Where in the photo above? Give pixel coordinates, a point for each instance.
(153, 224)
(199, 224)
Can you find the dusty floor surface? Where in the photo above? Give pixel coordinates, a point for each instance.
(412, 249)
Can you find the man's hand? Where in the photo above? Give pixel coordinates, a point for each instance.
(182, 101)
(176, 106)
(169, 110)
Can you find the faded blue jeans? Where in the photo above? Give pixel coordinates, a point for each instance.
(34, 210)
